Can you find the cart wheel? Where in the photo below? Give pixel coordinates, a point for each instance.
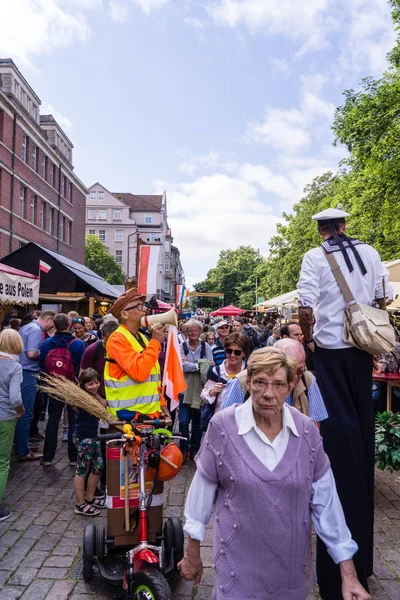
(179, 539)
(149, 584)
(89, 539)
(100, 542)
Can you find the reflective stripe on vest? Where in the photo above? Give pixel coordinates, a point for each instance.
(128, 394)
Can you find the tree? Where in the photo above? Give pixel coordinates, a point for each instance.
(98, 260)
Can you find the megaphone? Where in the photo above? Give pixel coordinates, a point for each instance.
(168, 318)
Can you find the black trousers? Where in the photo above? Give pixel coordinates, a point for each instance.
(345, 379)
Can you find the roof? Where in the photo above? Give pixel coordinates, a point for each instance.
(13, 271)
(119, 289)
(8, 62)
(50, 120)
(138, 203)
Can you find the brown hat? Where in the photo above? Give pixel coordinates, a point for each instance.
(126, 298)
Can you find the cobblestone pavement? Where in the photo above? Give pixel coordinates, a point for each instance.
(40, 544)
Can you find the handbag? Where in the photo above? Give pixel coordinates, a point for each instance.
(365, 327)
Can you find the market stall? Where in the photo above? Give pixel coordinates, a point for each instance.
(16, 287)
(227, 311)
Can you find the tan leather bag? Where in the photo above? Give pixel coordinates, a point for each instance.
(365, 327)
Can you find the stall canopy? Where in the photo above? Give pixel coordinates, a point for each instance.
(18, 287)
(227, 311)
(288, 299)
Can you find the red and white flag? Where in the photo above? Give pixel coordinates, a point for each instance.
(173, 378)
(148, 269)
(43, 266)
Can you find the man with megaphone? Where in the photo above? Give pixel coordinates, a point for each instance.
(132, 375)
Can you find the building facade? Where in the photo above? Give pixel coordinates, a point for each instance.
(41, 198)
(124, 222)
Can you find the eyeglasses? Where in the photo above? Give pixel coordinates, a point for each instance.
(232, 351)
(78, 320)
(140, 306)
(277, 386)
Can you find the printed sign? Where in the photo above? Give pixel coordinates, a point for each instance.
(15, 289)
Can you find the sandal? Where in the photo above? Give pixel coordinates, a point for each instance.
(99, 502)
(86, 509)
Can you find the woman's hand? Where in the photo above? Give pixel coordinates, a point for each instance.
(217, 389)
(191, 567)
(351, 587)
(20, 410)
(165, 412)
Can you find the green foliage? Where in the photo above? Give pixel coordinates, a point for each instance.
(387, 441)
(234, 276)
(98, 260)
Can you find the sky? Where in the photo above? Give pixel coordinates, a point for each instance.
(225, 104)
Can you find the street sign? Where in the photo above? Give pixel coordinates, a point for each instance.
(207, 294)
(261, 299)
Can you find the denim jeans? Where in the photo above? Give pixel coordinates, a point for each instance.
(187, 414)
(22, 430)
(7, 429)
(55, 408)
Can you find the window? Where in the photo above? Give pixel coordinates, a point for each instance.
(166, 287)
(21, 202)
(65, 186)
(119, 235)
(118, 257)
(100, 195)
(34, 157)
(93, 195)
(167, 264)
(102, 235)
(69, 232)
(102, 215)
(42, 214)
(32, 209)
(153, 237)
(51, 220)
(23, 151)
(167, 246)
(44, 161)
(92, 232)
(116, 215)
(52, 174)
(35, 112)
(62, 190)
(70, 192)
(148, 219)
(62, 228)
(92, 214)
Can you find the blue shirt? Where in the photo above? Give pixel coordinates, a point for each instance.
(32, 338)
(218, 352)
(316, 406)
(76, 348)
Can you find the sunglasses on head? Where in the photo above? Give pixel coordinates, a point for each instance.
(232, 351)
(78, 320)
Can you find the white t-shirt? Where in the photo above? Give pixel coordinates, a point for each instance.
(317, 288)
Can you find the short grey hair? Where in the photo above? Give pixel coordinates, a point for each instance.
(194, 323)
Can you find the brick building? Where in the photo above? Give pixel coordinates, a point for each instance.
(41, 198)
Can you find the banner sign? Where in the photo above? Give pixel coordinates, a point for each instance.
(15, 289)
(148, 269)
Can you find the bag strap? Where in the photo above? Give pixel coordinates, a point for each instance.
(340, 279)
(203, 349)
(185, 348)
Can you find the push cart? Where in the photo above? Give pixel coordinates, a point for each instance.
(137, 550)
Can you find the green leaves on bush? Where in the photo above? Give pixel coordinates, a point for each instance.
(387, 441)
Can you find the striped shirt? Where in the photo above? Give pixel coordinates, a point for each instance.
(218, 351)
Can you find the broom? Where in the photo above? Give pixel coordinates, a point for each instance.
(67, 391)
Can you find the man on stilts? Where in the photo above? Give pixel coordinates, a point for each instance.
(344, 376)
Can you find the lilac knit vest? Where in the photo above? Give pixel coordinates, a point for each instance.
(262, 519)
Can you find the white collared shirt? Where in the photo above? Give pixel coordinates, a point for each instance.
(325, 506)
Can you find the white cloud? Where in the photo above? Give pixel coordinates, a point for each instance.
(193, 22)
(34, 27)
(211, 160)
(118, 12)
(64, 122)
(148, 5)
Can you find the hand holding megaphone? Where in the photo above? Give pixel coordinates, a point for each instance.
(158, 333)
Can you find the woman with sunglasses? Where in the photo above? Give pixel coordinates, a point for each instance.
(237, 349)
(80, 331)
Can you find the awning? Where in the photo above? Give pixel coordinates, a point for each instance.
(288, 299)
(18, 287)
(56, 299)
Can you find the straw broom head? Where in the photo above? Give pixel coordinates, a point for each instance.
(68, 392)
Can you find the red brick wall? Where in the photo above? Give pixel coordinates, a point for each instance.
(22, 227)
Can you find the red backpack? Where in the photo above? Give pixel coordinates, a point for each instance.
(59, 361)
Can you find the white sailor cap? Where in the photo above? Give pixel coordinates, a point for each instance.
(330, 214)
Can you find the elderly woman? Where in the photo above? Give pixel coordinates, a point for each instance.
(236, 349)
(263, 467)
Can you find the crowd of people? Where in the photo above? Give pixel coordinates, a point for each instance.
(258, 393)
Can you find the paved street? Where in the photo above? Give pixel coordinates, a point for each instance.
(40, 545)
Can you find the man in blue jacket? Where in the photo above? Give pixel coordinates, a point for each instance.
(61, 339)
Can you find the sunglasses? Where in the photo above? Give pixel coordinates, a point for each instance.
(232, 351)
(78, 320)
(140, 306)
